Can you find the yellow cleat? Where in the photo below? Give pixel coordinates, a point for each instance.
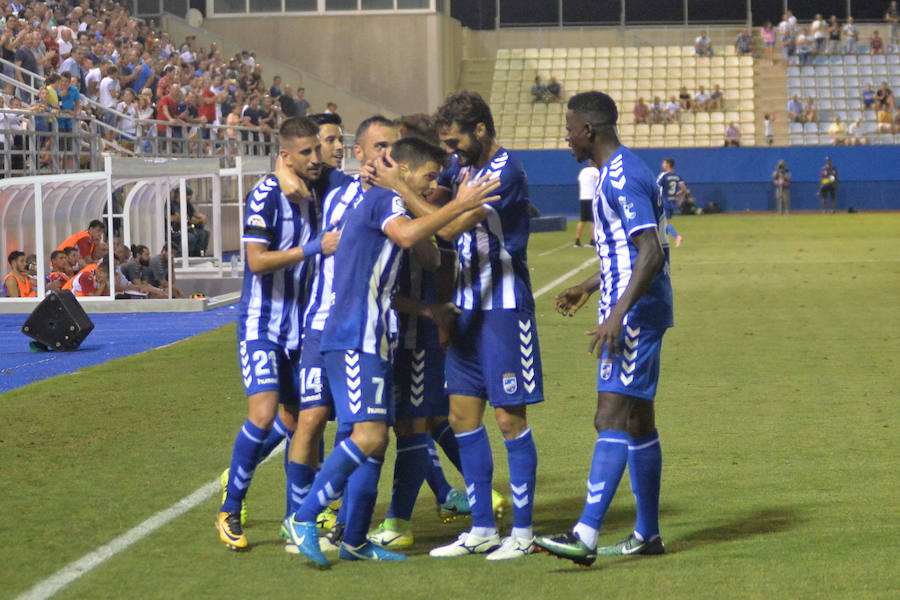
(223, 481)
(500, 505)
(230, 530)
(326, 520)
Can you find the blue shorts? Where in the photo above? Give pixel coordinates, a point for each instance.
(267, 367)
(495, 354)
(635, 372)
(312, 378)
(670, 207)
(362, 386)
(419, 384)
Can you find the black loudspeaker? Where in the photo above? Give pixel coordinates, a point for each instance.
(59, 322)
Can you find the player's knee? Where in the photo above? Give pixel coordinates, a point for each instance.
(407, 427)
(371, 437)
(612, 413)
(262, 410)
(511, 422)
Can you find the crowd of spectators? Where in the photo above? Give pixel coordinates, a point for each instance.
(670, 112)
(549, 92)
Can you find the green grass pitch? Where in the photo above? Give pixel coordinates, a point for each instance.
(776, 411)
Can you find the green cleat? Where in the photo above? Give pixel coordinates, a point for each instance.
(566, 545)
(456, 505)
(223, 481)
(393, 534)
(633, 546)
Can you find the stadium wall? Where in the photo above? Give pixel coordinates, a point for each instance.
(738, 179)
(409, 62)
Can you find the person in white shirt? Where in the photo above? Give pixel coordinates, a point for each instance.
(851, 35)
(769, 129)
(804, 47)
(701, 100)
(588, 178)
(127, 106)
(855, 134)
(92, 78)
(819, 31)
(673, 110)
(109, 95)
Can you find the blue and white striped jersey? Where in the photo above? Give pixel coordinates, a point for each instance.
(335, 209)
(270, 303)
(493, 264)
(627, 202)
(365, 277)
(418, 284)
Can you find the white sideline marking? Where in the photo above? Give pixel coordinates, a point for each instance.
(552, 250)
(562, 278)
(90, 561)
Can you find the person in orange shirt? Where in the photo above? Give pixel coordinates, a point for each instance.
(87, 241)
(16, 283)
(61, 270)
(92, 280)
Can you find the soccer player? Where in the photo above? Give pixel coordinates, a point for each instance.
(635, 311)
(279, 235)
(494, 354)
(60, 270)
(356, 347)
(587, 183)
(87, 241)
(671, 190)
(16, 284)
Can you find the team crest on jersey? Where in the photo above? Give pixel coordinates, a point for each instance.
(256, 221)
(397, 205)
(605, 369)
(627, 206)
(509, 383)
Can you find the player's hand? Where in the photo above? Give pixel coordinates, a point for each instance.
(386, 173)
(291, 184)
(330, 240)
(570, 300)
(367, 171)
(608, 334)
(444, 315)
(475, 193)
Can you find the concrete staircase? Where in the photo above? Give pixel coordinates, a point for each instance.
(770, 93)
(477, 75)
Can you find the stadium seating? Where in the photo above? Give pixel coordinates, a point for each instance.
(626, 73)
(835, 82)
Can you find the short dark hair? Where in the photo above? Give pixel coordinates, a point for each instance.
(96, 223)
(56, 253)
(373, 120)
(419, 125)
(326, 119)
(466, 109)
(415, 152)
(138, 249)
(596, 108)
(69, 250)
(14, 255)
(298, 127)
(671, 162)
(103, 263)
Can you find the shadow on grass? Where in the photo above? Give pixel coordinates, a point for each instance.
(759, 522)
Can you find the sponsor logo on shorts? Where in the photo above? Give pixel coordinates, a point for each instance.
(376, 411)
(510, 385)
(605, 369)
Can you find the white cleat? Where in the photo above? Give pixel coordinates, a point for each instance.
(512, 547)
(467, 544)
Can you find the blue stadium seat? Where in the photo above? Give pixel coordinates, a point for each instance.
(795, 127)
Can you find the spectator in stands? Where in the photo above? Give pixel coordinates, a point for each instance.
(538, 90)
(109, 94)
(716, 98)
(331, 108)
(554, 90)
(867, 96)
(876, 44)
(786, 35)
(819, 31)
(834, 35)
(87, 241)
(804, 45)
(301, 103)
(159, 267)
(286, 102)
(810, 113)
(146, 111)
(767, 33)
(60, 270)
(837, 130)
(701, 100)
(93, 75)
(167, 111)
(769, 129)
(703, 45)
(684, 98)
(892, 16)
(732, 135)
(851, 36)
(25, 59)
(128, 124)
(795, 109)
(641, 111)
(275, 90)
(743, 43)
(16, 284)
(673, 110)
(884, 120)
(198, 236)
(855, 134)
(884, 97)
(781, 177)
(657, 111)
(897, 122)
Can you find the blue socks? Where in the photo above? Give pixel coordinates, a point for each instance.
(343, 432)
(362, 491)
(409, 473)
(434, 474)
(522, 456)
(244, 459)
(274, 437)
(443, 435)
(607, 466)
(645, 468)
(330, 482)
(299, 483)
(478, 470)
(671, 231)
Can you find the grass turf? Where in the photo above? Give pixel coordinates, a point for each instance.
(776, 395)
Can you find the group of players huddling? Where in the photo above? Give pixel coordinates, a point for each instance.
(351, 310)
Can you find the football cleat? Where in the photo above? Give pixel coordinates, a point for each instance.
(393, 533)
(230, 530)
(369, 551)
(331, 541)
(467, 544)
(633, 546)
(289, 546)
(223, 481)
(500, 505)
(457, 504)
(512, 547)
(326, 520)
(566, 545)
(306, 539)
